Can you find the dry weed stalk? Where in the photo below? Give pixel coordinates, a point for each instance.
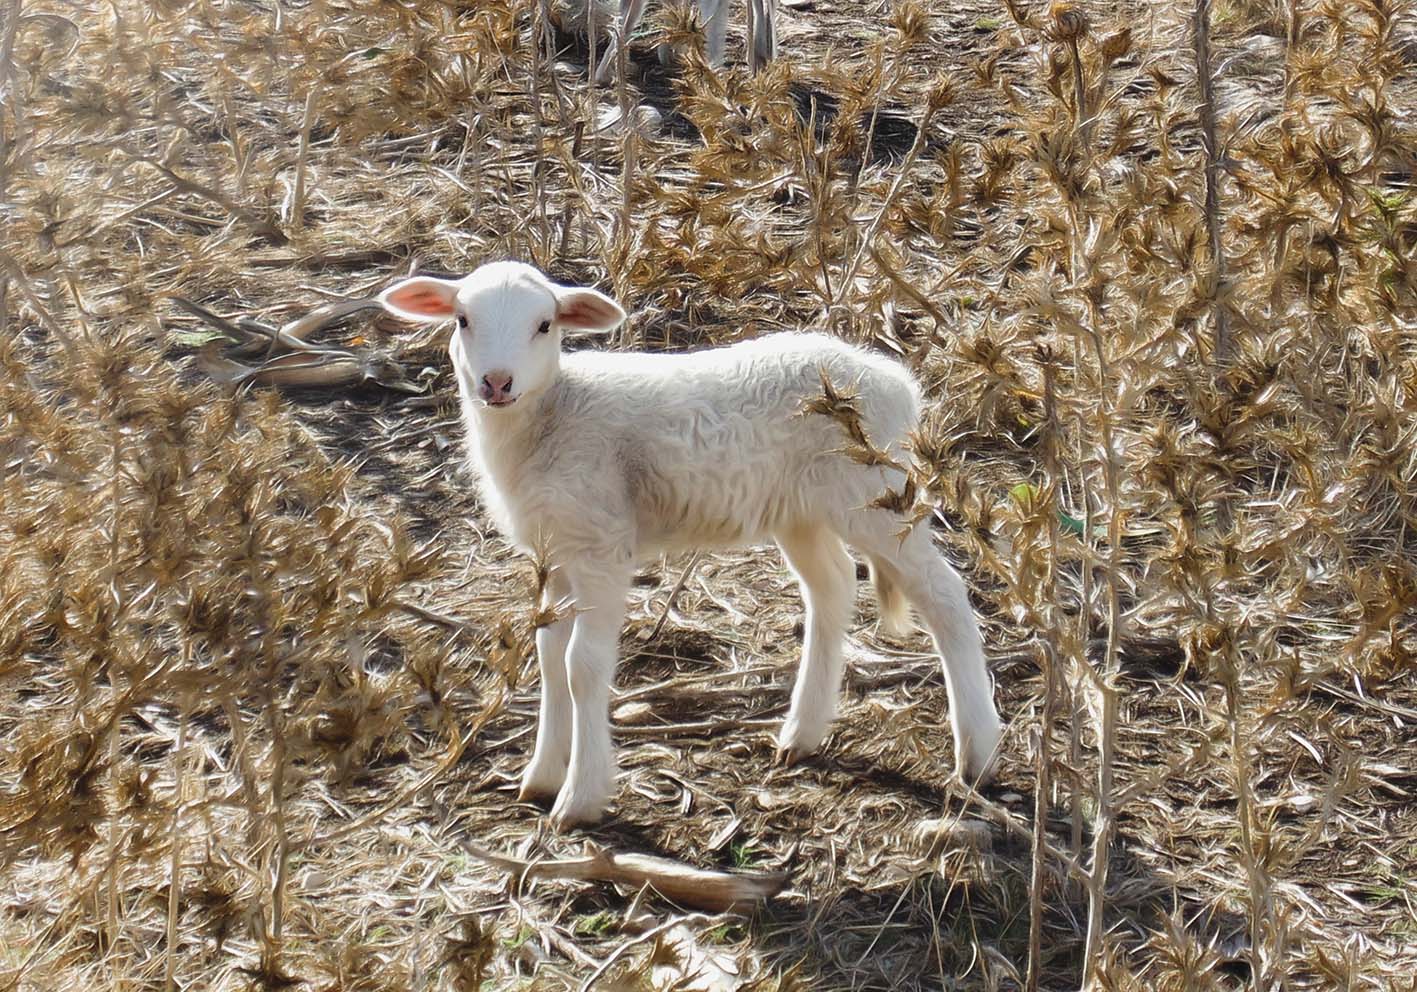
(1200, 35)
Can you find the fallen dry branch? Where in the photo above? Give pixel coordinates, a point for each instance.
(681, 884)
(290, 360)
(321, 370)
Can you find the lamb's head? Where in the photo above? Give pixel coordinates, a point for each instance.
(510, 317)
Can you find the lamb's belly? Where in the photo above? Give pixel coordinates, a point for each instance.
(715, 515)
(718, 534)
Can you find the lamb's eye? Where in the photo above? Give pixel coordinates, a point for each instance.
(462, 322)
(545, 327)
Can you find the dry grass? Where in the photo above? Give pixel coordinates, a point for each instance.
(262, 667)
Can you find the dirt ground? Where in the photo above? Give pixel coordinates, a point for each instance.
(265, 668)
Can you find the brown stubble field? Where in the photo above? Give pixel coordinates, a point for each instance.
(264, 669)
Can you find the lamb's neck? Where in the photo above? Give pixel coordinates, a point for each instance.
(503, 439)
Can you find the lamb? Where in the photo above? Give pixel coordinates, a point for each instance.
(762, 29)
(603, 459)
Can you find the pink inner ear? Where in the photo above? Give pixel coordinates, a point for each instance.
(421, 299)
(587, 310)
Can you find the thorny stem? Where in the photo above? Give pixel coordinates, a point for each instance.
(119, 702)
(1103, 821)
(628, 152)
(282, 845)
(1048, 655)
(590, 98)
(673, 594)
(878, 70)
(1200, 26)
(1036, 881)
(114, 866)
(916, 147)
(241, 750)
(1292, 33)
(7, 90)
(240, 156)
(7, 73)
(297, 199)
(1075, 812)
(474, 125)
(538, 168)
(1076, 263)
(1080, 109)
(1244, 812)
(907, 289)
(1076, 701)
(261, 226)
(174, 869)
(816, 175)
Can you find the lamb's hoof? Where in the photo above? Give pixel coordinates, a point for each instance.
(577, 811)
(564, 816)
(535, 794)
(974, 780)
(979, 770)
(540, 787)
(797, 742)
(786, 757)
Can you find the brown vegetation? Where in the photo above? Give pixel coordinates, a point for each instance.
(262, 668)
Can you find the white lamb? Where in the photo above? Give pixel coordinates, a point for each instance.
(605, 459)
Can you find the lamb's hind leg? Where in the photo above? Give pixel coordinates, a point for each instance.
(828, 580)
(942, 600)
(762, 34)
(547, 768)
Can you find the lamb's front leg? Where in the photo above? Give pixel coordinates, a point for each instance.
(715, 15)
(631, 13)
(547, 769)
(590, 666)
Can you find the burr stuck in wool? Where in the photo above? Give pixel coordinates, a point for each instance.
(601, 460)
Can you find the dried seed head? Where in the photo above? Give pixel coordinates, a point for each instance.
(909, 18)
(941, 95)
(1117, 44)
(1066, 22)
(899, 501)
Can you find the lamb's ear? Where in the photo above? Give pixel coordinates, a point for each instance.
(421, 298)
(586, 310)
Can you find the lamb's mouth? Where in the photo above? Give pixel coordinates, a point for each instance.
(503, 401)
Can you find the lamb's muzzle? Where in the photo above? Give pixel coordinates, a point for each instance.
(609, 458)
(496, 388)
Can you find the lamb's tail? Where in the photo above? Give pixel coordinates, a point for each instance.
(891, 604)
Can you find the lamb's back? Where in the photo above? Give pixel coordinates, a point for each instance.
(713, 446)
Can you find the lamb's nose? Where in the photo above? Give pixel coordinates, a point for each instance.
(496, 385)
